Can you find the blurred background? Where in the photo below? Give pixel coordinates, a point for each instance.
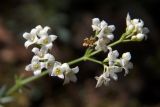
(71, 21)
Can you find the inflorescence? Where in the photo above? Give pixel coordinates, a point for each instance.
(100, 42)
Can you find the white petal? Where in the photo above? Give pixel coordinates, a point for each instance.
(111, 28)
(43, 65)
(76, 69)
(96, 28)
(27, 35)
(73, 78)
(37, 72)
(28, 43)
(49, 46)
(140, 36)
(28, 68)
(66, 80)
(35, 50)
(46, 28)
(50, 57)
(103, 24)
(126, 56)
(35, 58)
(128, 19)
(39, 27)
(110, 37)
(115, 52)
(43, 51)
(53, 37)
(99, 81)
(34, 31)
(61, 76)
(95, 21)
(65, 67)
(135, 21)
(57, 64)
(130, 27)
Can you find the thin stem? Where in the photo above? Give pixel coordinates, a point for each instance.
(94, 60)
(25, 81)
(76, 61)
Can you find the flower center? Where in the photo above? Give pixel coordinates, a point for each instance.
(36, 66)
(49, 65)
(45, 41)
(57, 71)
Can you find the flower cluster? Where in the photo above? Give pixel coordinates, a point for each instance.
(43, 60)
(100, 42)
(136, 29)
(103, 33)
(114, 66)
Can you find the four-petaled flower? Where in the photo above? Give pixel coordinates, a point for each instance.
(31, 37)
(36, 66)
(69, 73)
(57, 70)
(125, 62)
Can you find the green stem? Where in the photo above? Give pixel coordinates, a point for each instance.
(76, 61)
(94, 60)
(25, 81)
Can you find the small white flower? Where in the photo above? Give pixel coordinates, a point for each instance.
(35, 66)
(106, 32)
(113, 70)
(112, 56)
(49, 64)
(47, 40)
(101, 44)
(40, 52)
(124, 62)
(98, 25)
(30, 37)
(69, 73)
(42, 31)
(102, 79)
(57, 70)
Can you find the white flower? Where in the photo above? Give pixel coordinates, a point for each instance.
(103, 79)
(98, 25)
(40, 52)
(35, 66)
(31, 37)
(57, 70)
(69, 73)
(112, 56)
(136, 26)
(106, 32)
(101, 44)
(124, 62)
(46, 40)
(49, 64)
(113, 70)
